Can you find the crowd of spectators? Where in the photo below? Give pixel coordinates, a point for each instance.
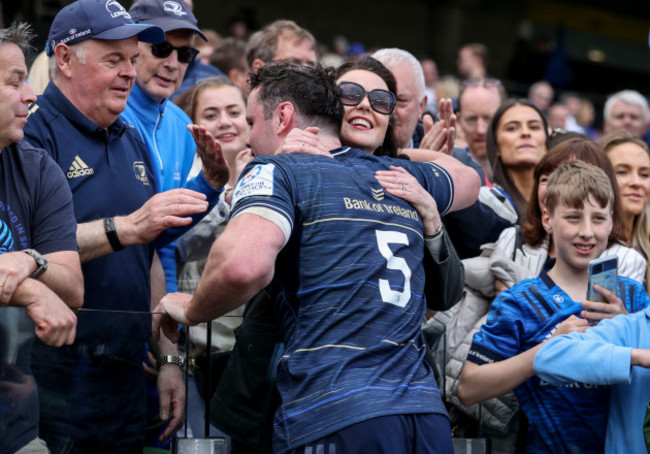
(303, 224)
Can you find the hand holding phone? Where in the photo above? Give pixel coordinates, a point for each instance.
(603, 272)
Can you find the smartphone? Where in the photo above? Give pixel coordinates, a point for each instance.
(604, 272)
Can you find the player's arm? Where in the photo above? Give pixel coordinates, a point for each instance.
(241, 263)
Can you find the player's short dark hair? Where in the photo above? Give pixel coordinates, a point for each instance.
(311, 90)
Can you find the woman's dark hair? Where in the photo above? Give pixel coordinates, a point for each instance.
(499, 171)
(573, 149)
(389, 147)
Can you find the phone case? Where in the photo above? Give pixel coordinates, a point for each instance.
(606, 277)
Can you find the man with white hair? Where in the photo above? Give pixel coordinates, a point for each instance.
(626, 110)
(411, 95)
(494, 214)
(91, 394)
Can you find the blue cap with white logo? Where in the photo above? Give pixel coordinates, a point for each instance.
(166, 14)
(97, 19)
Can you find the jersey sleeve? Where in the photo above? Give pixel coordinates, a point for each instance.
(637, 295)
(502, 334)
(265, 189)
(435, 180)
(54, 226)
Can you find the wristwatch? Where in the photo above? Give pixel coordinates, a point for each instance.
(40, 261)
(111, 234)
(171, 359)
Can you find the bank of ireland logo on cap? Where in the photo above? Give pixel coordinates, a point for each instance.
(174, 8)
(116, 10)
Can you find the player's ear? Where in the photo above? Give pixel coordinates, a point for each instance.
(284, 118)
(546, 221)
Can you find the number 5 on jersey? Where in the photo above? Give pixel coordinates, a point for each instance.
(384, 238)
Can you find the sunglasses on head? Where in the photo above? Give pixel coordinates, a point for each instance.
(351, 94)
(186, 54)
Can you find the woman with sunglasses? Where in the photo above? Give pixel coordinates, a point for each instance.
(367, 90)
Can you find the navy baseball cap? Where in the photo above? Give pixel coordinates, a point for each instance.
(166, 14)
(97, 19)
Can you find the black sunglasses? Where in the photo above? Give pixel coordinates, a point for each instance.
(382, 101)
(186, 54)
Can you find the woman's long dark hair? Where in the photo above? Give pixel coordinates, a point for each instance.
(499, 171)
(572, 149)
(389, 147)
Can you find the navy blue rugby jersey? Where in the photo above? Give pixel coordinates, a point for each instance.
(569, 418)
(349, 287)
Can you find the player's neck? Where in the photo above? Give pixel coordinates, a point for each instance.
(330, 141)
(572, 280)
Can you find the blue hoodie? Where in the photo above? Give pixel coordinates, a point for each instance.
(163, 127)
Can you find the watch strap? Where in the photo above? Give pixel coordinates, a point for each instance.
(171, 359)
(111, 234)
(40, 261)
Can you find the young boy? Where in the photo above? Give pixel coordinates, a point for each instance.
(570, 418)
(603, 355)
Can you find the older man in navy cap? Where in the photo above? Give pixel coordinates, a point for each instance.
(162, 124)
(92, 397)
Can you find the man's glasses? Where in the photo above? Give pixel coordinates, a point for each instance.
(186, 54)
(382, 101)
